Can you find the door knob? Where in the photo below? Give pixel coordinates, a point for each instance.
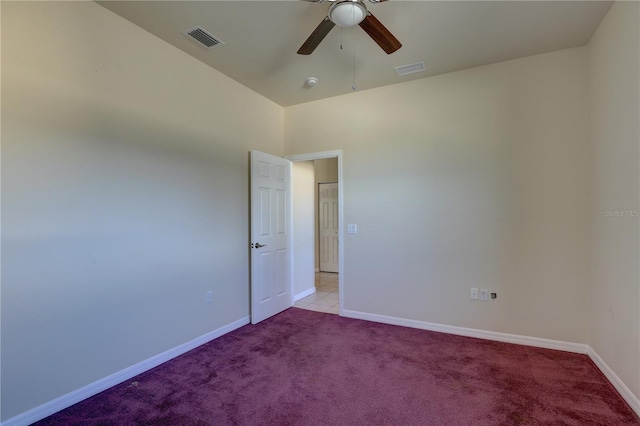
(258, 245)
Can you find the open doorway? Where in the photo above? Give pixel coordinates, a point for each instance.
(314, 286)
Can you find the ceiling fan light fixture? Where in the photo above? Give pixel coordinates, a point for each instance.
(347, 13)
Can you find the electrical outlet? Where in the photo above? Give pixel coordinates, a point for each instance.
(484, 294)
(208, 296)
(474, 294)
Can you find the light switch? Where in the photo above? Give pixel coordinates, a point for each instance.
(352, 228)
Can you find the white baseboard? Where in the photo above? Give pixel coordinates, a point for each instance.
(472, 332)
(65, 401)
(303, 294)
(624, 391)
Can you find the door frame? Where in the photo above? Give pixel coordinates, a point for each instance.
(320, 156)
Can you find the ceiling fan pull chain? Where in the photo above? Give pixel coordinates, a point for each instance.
(354, 87)
(353, 34)
(341, 38)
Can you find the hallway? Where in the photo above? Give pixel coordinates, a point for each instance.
(325, 299)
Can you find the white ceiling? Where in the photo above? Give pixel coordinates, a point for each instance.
(261, 38)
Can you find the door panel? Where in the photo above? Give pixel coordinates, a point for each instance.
(271, 236)
(328, 222)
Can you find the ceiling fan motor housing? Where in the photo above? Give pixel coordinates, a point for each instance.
(347, 13)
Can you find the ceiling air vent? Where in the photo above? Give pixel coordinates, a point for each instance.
(203, 37)
(409, 69)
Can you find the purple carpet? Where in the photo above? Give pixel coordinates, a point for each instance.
(308, 368)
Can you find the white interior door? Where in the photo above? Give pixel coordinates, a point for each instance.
(271, 236)
(328, 223)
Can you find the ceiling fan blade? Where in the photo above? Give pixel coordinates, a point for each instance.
(316, 37)
(380, 34)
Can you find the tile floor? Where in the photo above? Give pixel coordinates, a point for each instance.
(325, 299)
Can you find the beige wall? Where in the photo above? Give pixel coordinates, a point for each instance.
(478, 178)
(303, 225)
(124, 197)
(326, 170)
(614, 95)
(122, 203)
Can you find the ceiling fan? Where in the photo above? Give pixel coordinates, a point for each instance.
(348, 13)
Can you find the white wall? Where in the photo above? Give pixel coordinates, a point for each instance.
(614, 96)
(124, 197)
(478, 178)
(303, 225)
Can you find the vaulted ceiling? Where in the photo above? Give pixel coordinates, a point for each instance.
(261, 39)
